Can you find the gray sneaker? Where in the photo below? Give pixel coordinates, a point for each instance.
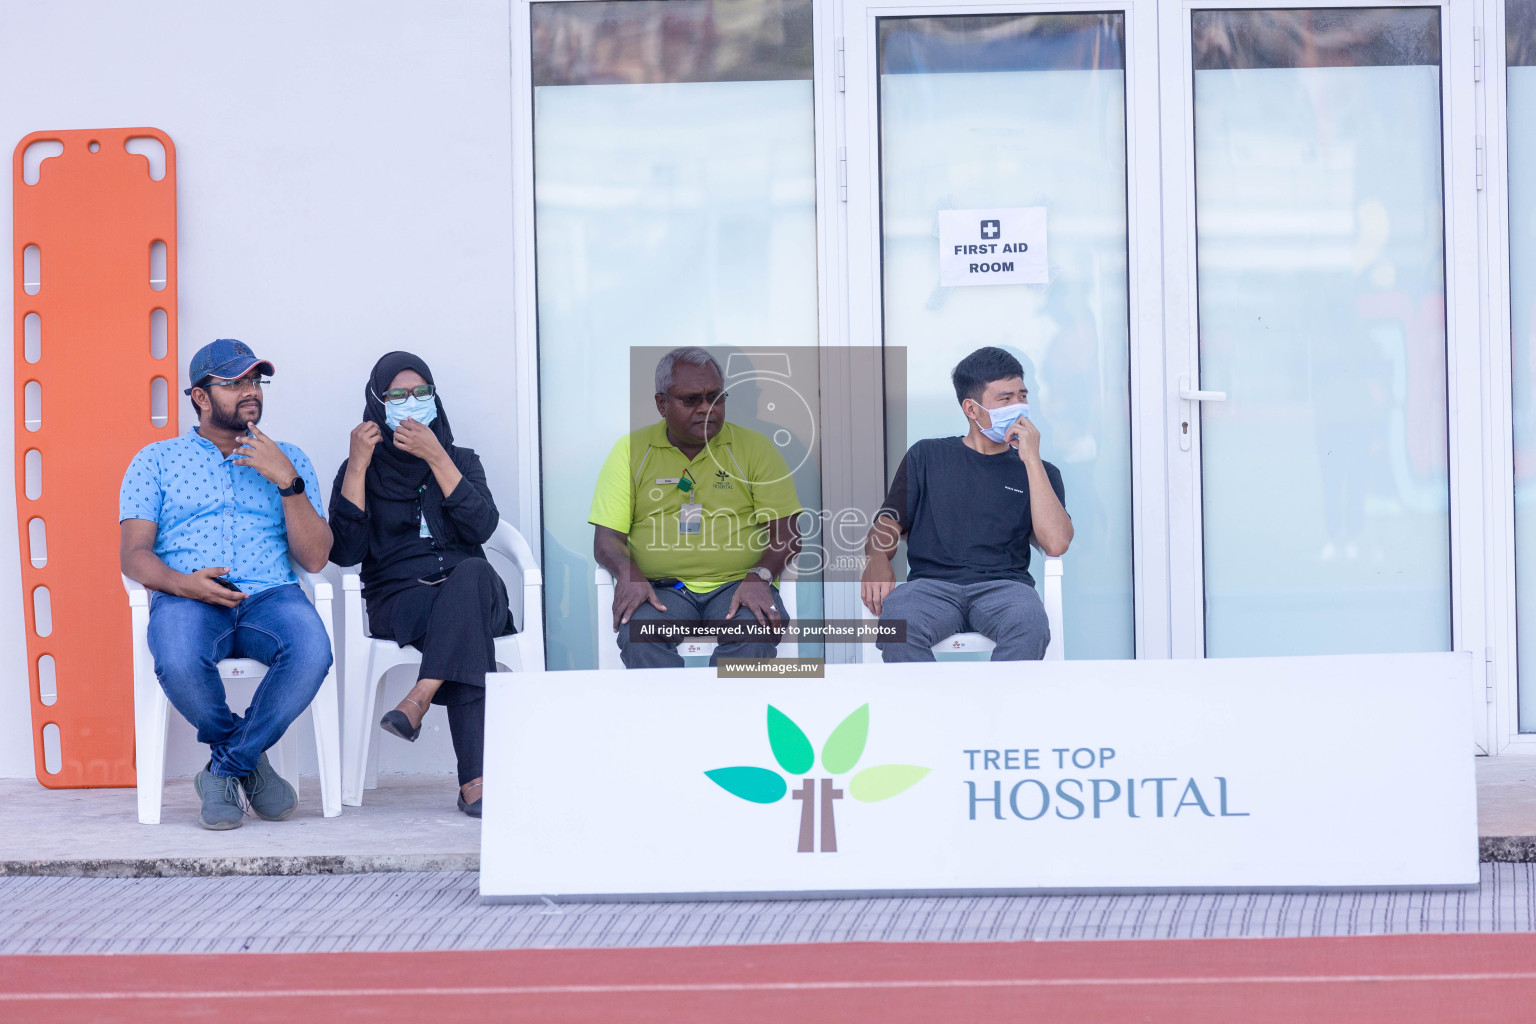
(270, 794)
(222, 808)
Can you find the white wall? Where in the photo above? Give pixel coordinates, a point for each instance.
(345, 189)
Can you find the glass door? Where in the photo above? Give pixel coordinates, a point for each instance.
(1009, 134)
(673, 186)
(1322, 489)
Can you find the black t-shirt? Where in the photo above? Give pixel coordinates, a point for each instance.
(966, 515)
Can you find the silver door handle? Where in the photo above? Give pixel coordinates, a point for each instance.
(1185, 394)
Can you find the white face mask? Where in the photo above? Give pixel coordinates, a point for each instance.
(1003, 418)
(422, 410)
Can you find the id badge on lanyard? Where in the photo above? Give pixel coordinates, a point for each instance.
(690, 516)
(690, 519)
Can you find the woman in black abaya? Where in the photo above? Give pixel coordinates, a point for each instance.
(414, 509)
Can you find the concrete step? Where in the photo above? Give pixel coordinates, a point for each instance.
(410, 823)
(1506, 809)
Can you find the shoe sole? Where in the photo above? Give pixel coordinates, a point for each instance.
(281, 817)
(389, 726)
(218, 826)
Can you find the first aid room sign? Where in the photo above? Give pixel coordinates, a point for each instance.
(1002, 246)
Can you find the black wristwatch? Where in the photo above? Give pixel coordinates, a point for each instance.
(297, 487)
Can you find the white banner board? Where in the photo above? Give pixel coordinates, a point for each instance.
(972, 777)
(1002, 246)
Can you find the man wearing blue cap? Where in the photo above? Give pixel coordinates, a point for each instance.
(210, 521)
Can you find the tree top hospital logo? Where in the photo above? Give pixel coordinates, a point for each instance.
(794, 753)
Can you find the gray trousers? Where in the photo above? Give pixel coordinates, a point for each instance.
(1008, 613)
(686, 606)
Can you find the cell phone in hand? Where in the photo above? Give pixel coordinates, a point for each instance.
(434, 579)
(224, 582)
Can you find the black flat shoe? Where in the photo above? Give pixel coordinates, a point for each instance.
(471, 809)
(396, 724)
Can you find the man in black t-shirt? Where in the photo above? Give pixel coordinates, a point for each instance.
(968, 507)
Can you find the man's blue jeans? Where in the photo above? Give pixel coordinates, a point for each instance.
(277, 627)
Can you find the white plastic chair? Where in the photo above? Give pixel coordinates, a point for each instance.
(696, 647)
(965, 643)
(151, 708)
(368, 659)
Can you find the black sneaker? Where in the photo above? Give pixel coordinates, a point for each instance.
(270, 794)
(222, 808)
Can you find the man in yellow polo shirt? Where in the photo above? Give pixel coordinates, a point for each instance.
(694, 516)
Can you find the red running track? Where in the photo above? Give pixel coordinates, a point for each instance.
(1363, 980)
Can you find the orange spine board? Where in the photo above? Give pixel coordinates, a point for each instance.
(93, 217)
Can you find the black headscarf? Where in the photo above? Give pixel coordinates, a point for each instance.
(394, 474)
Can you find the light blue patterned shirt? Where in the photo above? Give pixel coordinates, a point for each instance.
(213, 512)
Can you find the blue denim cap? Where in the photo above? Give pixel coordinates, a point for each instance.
(226, 358)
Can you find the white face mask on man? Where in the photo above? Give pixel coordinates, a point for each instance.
(1002, 418)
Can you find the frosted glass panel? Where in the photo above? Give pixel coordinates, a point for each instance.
(675, 205)
(1520, 29)
(1015, 111)
(1322, 316)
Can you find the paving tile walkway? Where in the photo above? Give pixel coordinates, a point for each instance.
(441, 910)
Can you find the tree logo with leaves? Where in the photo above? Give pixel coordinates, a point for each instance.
(793, 751)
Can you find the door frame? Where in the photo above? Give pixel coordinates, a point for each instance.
(1491, 68)
(1144, 254)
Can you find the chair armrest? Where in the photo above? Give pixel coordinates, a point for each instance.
(138, 595)
(1048, 558)
(322, 593)
(352, 599)
(869, 654)
(1053, 610)
(607, 641)
(533, 620)
(318, 584)
(512, 546)
(603, 581)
